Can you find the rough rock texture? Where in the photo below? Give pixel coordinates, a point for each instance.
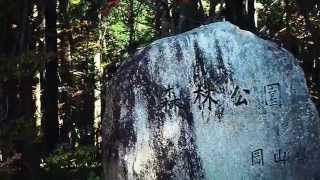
(215, 103)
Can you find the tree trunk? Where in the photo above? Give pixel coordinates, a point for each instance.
(86, 121)
(66, 76)
(241, 13)
(132, 45)
(250, 13)
(162, 18)
(235, 11)
(98, 87)
(37, 99)
(212, 9)
(187, 15)
(50, 121)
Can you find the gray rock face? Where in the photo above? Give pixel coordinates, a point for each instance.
(215, 103)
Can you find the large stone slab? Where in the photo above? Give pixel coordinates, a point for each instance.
(215, 103)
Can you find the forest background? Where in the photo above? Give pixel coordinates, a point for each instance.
(56, 57)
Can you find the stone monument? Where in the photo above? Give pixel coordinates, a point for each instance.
(215, 103)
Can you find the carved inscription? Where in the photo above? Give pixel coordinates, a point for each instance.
(279, 157)
(238, 96)
(169, 100)
(205, 96)
(257, 157)
(301, 156)
(272, 93)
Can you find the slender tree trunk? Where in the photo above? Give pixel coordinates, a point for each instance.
(30, 148)
(235, 12)
(212, 8)
(37, 99)
(132, 45)
(250, 13)
(98, 87)
(50, 121)
(241, 13)
(187, 15)
(38, 24)
(66, 76)
(214, 14)
(29, 163)
(162, 18)
(87, 119)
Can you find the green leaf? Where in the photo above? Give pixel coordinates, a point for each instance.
(75, 2)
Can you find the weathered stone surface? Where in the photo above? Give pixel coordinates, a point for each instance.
(215, 103)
